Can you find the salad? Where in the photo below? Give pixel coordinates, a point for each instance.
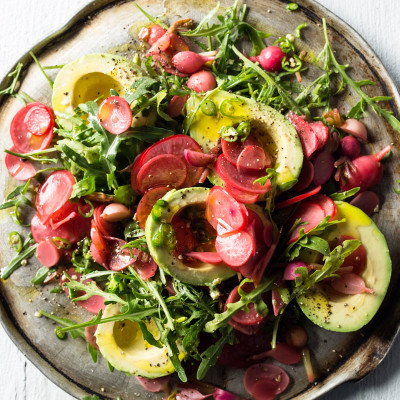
(202, 202)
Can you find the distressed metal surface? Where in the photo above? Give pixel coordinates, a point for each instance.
(103, 25)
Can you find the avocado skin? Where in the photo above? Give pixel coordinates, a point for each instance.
(202, 275)
(348, 313)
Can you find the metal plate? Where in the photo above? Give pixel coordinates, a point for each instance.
(103, 25)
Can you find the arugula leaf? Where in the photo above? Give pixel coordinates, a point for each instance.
(92, 351)
(41, 274)
(340, 196)
(148, 336)
(75, 332)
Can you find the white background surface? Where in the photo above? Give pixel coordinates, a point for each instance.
(25, 22)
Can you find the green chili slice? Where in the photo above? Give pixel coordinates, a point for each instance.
(208, 108)
(292, 6)
(286, 67)
(231, 108)
(15, 241)
(89, 214)
(228, 133)
(243, 130)
(157, 210)
(61, 243)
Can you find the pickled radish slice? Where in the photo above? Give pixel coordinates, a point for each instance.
(367, 202)
(244, 182)
(198, 158)
(306, 176)
(135, 170)
(277, 302)
(176, 105)
(185, 238)
(357, 259)
(290, 270)
(223, 212)
(355, 128)
(18, 168)
(147, 202)
(268, 234)
(155, 385)
(309, 140)
(323, 167)
(162, 170)
(262, 265)
(191, 394)
(297, 199)
(145, 266)
(90, 335)
(235, 248)
(265, 389)
(47, 253)
(325, 202)
(282, 353)
(115, 115)
(118, 258)
(232, 150)
(252, 159)
(240, 196)
(98, 248)
(207, 257)
(321, 131)
(39, 119)
(106, 228)
(350, 284)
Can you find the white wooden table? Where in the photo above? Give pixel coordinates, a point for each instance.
(25, 22)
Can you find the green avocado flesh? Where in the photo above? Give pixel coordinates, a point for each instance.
(202, 273)
(276, 134)
(347, 313)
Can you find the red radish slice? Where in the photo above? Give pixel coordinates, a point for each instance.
(176, 105)
(175, 145)
(367, 202)
(93, 304)
(296, 199)
(232, 150)
(244, 182)
(259, 372)
(163, 170)
(106, 228)
(63, 221)
(156, 31)
(115, 115)
(191, 394)
(282, 353)
(290, 270)
(357, 259)
(39, 120)
(223, 212)
(249, 330)
(54, 193)
(306, 176)
(311, 213)
(118, 258)
(155, 385)
(325, 202)
(350, 284)
(259, 270)
(355, 128)
(204, 175)
(197, 158)
(252, 159)
(240, 196)
(90, 335)
(47, 253)
(23, 140)
(220, 394)
(277, 302)
(323, 167)
(268, 234)
(98, 249)
(207, 257)
(309, 140)
(235, 248)
(145, 266)
(265, 389)
(185, 238)
(18, 168)
(147, 202)
(321, 131)
(253, 218)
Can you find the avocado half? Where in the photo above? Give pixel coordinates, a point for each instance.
(123, 346)
(347, 313)
(276, 134)
(203, 274)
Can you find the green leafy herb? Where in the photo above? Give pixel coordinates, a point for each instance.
(41, 274)
(340, 196)
(10, 90)
(51, 83)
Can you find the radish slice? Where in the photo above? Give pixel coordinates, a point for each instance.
(245, 182)
(367, 202)
(357, 259)
(145, 266)
(240, 196)
(312, 214)
(350, 284)
(265, 389)
(277, 302)
(260, 372)
(197, 158)
(325, 202)
(232, 150)
(321, 131)
(119, 259)
(93, 304)
(135, 170)
(162, 170)
(252, 159)
(309, 140)
(115, 115)
(90, 335)
(39, 119)
(306, 176)
(47, 253)
(264, 262)
(296, 199)
(289, 273)
(268, 234)
(106, 228)
(147, 202)
(282, 353)
(235, 248)
(355, 128)
(98, 248)
(207, 257)
(185, 238)
(323, 167)
(223, 212)
(249, 330)
(175, 106)
(155, 385)
(220, 394)
(18, 168)
(191, 394)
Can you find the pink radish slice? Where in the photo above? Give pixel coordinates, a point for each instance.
(190, 62)
(162, 170)
(93, 304)
(306, 176)
(321, 131)
(367, 202)
(185, 238)
(208, 257)
(249, 330)
(223, 212)
(258, 272)
(202, 81)
(252, 159)
(282, 353)
(277, 302)
(232, 150)
(17, 168)
(47, 253)
(325, 202)
(90, 335)
(350, 284)
(145, 266)
(204, 175)
(309, 140)
(271, 58)
(119, 259)
(235, 248)
(57, 224)
(106, 228)
(289, 273)
(41, 231)
(268, 234)
(323, 167)
(355, 128)
(98, 248)
(175, 106)
(350, 147)
(135, 170)
(198, 158)
(357, 259)
(260, 372)
(240, 196)
(298, 198)
(220, 394)
(191, 394)
(147, 202)
(265, 389)
(310, 213)
(244, 182)
(155, 385)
